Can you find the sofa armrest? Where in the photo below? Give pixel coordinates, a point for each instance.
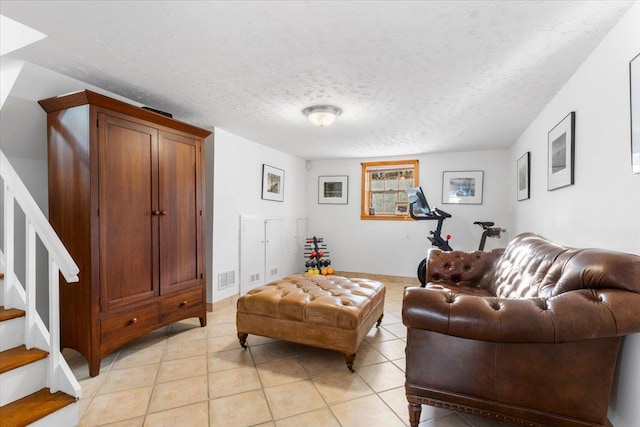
(461, 268)
(572, 316)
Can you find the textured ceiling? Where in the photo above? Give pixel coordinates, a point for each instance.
(411, 77)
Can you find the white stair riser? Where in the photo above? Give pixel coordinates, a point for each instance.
(65, 417)
(11, 333)
(23, 381)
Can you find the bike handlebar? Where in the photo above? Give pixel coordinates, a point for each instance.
(443, 213)
(434, 214)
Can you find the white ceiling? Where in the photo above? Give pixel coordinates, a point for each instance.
(411, 77)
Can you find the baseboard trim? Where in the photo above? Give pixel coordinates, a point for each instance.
(229, 301)
(380, 277)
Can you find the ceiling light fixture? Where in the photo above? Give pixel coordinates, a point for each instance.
(322, 115)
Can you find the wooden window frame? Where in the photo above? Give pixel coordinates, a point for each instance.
(365, 191)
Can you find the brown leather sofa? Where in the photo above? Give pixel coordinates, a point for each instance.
(528, 334)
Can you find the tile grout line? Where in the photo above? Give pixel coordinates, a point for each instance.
(155, 380)
(296, 355)
(262, 387)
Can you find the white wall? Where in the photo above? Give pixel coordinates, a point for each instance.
(602, 209)
(396, 247)
(238, 191)
(34, 176)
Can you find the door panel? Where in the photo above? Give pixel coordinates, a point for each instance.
(128, 193)
(180, 217)
(301, 240)
(273, 249)
(252, 259)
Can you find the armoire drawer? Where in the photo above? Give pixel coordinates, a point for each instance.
(177, 307)
(118, 328)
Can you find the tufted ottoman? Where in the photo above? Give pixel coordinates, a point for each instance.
(329, 312)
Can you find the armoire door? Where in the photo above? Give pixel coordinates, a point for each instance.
(180, 214)
(127, 163)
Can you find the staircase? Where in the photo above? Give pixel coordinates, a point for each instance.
(37, 388)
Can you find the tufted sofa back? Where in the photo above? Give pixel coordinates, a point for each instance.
(536, 326)
(532, 266)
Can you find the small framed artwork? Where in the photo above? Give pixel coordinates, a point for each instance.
(561, 150)
(402, 208)
(634, 87)
(524, 175)
(272, 183)
(464, 187)
(333, 190)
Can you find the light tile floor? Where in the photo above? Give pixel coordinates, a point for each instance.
(185, 375)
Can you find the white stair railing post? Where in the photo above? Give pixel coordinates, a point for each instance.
(8, 245)
(54, 321)
(30, 285)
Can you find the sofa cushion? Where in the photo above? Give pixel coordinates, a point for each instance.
(528, 268)
(466, 269)
(532, 266)
(599, 269)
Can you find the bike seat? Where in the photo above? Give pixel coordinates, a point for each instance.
(485, 224)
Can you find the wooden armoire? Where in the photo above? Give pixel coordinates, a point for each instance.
(126, 197)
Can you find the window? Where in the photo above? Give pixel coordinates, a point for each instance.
(384, 189)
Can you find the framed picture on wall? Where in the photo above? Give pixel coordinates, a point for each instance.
(464, 187)
(523, 169)
(402, 208)
(634, 88)
(333, 190)
(561, 151)
(272, 183)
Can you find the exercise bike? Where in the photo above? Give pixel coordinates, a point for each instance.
(419, 210)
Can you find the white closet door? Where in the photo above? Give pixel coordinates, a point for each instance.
(273, 249)
(301, 239)
(252, 255)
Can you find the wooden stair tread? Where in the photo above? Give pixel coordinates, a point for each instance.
(31, 408)
(11, 313)
(19, 356)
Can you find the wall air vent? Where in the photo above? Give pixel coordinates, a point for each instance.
(226, 279)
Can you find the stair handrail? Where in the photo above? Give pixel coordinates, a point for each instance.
(48, 236)
(59, 375)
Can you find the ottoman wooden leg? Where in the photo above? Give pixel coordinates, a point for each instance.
(243, 339)
(350, 358)
(414, 414)
(379, 320)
